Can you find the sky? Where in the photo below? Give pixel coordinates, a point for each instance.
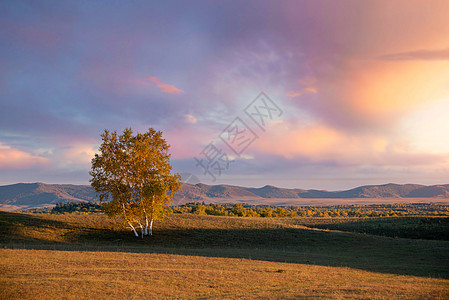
(354, 92)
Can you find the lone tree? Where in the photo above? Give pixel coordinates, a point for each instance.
(132, 176)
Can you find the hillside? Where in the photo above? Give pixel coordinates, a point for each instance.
(36, 195)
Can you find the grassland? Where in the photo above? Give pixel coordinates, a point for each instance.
(192, 256)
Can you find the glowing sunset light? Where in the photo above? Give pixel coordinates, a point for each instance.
(426, 127)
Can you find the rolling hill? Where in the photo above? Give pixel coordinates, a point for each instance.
(36, 195)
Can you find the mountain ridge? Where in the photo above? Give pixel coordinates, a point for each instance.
(35, 195)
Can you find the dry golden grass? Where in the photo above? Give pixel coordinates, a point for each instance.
(50, 274)
(190, 256)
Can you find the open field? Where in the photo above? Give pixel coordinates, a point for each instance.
(191, 256)
(74, 275)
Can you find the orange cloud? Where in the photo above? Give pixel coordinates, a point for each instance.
(166, 88)
(392, 88)
(14, 159)
(318, 143)
(303, 91)
(373, 94)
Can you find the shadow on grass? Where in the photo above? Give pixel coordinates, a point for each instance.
(12, 226)
(429, 228)
(293, 245)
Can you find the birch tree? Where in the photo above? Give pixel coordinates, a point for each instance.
(132, 176)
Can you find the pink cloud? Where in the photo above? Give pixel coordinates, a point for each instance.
(319, 143)
(189, 118)
(185, 144)
(14, 159)
(308, 90)
(166, 88)
(77, 156)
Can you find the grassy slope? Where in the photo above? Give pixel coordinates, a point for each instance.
(90, 275)
(194, 256)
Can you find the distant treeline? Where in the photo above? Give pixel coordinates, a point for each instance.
(244, 210)
(375, 210)
(77, 207)
(238, 210)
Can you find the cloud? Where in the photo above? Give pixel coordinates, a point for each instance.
(442, 54)
(166, 88)
(303, 91)
(187, 142)
(73, 157)
(15, 159)
(367, 95)
(190, 119)
(319, 144)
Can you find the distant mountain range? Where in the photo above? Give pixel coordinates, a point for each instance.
(35, 195)
(201, 192)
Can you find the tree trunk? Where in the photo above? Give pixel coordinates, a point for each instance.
(134, 229)
(129, 223)
(142, 230)
(145, 214)
(146, 226)
(150, 228)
